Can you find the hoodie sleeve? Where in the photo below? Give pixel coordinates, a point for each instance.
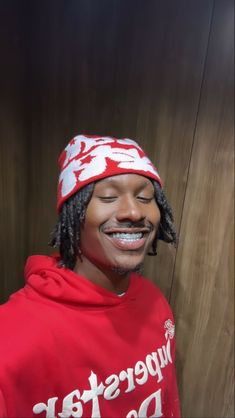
(173, 403)
(3, 411)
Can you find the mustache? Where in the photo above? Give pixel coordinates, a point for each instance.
(128, 225)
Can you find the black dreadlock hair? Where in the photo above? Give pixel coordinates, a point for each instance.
(66, 234)
(166, 230)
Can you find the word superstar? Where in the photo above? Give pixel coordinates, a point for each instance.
(73, 403)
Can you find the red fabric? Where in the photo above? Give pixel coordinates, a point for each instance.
(91, 158)
(73, 349)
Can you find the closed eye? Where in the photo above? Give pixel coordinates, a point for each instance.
(145, 199)
(107, 199)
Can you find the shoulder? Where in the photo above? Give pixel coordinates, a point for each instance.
(148, 285)
(22, 325)
(150, 294)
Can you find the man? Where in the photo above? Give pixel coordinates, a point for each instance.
(88, 336)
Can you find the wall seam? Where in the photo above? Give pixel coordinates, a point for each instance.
(193, 140)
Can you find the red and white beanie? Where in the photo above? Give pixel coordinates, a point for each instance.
(88, 158)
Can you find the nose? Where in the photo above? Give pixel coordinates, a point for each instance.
(129, 209)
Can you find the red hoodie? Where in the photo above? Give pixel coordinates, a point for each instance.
(70, 348)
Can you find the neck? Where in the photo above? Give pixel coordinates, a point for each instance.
(115, 280)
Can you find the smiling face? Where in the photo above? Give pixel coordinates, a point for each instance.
(121, 221)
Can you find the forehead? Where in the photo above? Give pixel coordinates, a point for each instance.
(125, 181)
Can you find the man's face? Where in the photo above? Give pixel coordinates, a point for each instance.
(121, 221)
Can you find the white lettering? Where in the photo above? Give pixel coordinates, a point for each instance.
(72, 405)
(163, 357)
(151, 361)
(128, 374)
(49, 408)
(140, 367)
(132, 414)
(143, 411)
(168, 350)
(92, 394)
(112, 391)
(69, 406)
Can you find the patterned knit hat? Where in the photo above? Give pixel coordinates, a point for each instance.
(88, 158)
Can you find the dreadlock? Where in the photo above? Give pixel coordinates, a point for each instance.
(66, 234)
(166, 230)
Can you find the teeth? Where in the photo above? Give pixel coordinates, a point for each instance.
(127, 236)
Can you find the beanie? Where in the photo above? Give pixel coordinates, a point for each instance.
(89, 158)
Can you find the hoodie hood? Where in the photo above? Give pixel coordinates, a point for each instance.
(48, 280)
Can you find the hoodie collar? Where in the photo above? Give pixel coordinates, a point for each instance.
(62, 285)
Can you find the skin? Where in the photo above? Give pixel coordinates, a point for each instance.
(122, 203)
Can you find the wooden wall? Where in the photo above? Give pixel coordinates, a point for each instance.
(14, 159)
(159, 71)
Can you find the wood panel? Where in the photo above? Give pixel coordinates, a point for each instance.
(121, 68)
(203, 291)
(13, 151)
(131, 68)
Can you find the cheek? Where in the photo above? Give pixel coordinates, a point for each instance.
(97, 214)
(154, 215)
(91, 239)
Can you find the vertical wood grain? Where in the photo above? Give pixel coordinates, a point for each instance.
(13, 150)
(144, 70)
(202, 295)
(116, 68)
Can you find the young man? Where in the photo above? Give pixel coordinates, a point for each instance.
(88, 336)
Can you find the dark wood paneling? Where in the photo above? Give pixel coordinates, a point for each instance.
(203, 292)
(13, 150)
(121, 68)
(130, 68)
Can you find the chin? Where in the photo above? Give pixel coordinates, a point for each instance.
(123, 270)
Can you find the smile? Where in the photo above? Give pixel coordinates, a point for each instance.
(125, 236)
(128, 240)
